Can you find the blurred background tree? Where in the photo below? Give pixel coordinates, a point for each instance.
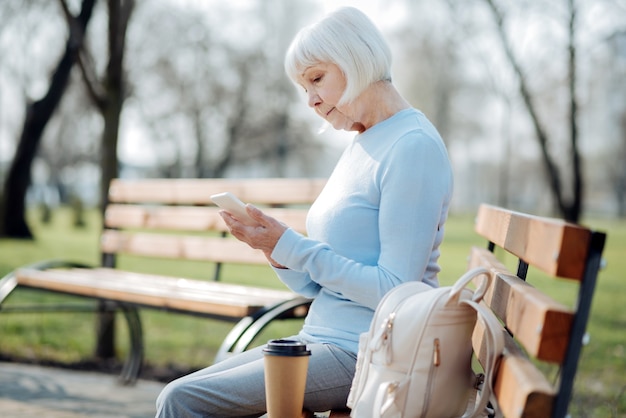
(37, 115)
(570, 209)
(524, 93)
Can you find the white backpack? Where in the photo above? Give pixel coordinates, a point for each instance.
(415, 361)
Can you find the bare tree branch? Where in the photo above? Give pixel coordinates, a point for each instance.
(66, 11)
(570, 212)
(94, 87)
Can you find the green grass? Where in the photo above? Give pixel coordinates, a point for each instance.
(186, 342)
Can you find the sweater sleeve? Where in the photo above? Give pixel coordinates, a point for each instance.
(414, 185)
(298, 281)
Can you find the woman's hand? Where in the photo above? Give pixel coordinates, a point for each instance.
(263, 236)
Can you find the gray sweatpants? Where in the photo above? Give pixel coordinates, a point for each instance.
(235, 387)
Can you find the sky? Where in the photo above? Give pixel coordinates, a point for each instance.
(536, 40)
(384, 13)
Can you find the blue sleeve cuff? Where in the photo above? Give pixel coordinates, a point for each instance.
(283, 250)
(295, 279)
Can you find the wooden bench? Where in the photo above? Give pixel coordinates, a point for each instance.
(539, 331)
(175, 219)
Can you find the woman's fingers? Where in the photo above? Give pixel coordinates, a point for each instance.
(263, 237)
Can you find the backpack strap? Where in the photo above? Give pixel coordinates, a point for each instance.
(466, 279)
(495, 346)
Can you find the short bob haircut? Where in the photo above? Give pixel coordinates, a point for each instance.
(348, 39)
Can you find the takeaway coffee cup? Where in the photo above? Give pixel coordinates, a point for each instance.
(286, 364)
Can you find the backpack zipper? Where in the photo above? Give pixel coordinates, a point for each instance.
(431, 375)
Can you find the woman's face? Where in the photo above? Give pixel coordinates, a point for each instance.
(324, 84)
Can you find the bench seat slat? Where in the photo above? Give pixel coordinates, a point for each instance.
(199, 191)
(541, 324)
(153, 290)
(521, 389)
(191, 284)
(215, 249)
(188, 218)
(554, 246)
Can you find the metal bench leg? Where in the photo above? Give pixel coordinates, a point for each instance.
(282, 310)
(134, 359)
(581, 320)
(242, 335)
(7, 284)
(231, 339)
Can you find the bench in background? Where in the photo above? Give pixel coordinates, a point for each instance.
(175, 219)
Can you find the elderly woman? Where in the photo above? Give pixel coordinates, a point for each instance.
(377, 223)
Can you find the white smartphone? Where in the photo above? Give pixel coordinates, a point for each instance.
(235, 206)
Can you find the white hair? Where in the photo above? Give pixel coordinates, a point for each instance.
(348, 39)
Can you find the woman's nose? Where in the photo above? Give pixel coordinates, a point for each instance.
(314, 99)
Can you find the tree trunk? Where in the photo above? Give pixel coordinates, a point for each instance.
(13, 204)
(111, 107)
(573, 211)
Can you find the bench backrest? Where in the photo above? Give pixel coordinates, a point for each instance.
(537, 326)
(175, 218)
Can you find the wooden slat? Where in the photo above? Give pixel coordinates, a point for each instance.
(215, 249)
(188, 218)
(541, 324)
(158, 291)
(554, 246)
(269, 191)
(88, 285)
(520, 388)
(239, 292)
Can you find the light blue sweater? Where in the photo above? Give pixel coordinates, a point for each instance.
(377, 223)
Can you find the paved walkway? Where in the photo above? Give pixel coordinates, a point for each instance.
(28, 391)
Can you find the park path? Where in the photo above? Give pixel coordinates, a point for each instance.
(28, 391)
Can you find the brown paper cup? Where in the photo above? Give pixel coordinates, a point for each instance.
(286, 365)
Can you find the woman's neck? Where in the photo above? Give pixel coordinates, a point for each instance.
(378, 102)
